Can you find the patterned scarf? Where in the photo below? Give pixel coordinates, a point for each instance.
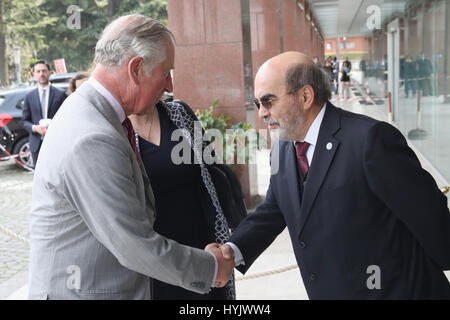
(185, 121)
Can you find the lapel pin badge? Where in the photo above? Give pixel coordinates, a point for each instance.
(329, 146)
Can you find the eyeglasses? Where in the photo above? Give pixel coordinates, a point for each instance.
(266, 100)
(266, 103)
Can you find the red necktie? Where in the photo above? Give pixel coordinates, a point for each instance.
(301, 148)
(127, 124)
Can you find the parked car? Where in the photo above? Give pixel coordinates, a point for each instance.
(13, 136)
(61, 81)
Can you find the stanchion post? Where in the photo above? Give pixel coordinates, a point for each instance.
(418, 133)
(419, 101)
(390, 107)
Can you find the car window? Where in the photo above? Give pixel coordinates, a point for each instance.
(11, 103)
(19, 104)
(4, 102)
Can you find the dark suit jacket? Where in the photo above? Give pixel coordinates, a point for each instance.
(32, 112)
(366, 202)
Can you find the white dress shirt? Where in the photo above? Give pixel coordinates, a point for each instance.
(121, 114)
(109, 97)
(311, 138)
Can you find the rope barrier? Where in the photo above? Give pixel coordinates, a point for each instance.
(14, 235)
(401, 80)
(23, 154)
(25, 241)
(14, 157)
(373, 99)
(267, 273)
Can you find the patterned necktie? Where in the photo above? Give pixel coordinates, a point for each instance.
(127, 124)
(301, 148)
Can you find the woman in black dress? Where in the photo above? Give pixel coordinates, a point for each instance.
(181, 214)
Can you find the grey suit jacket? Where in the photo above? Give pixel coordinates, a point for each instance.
(92, 214)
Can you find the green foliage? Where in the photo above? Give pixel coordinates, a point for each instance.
(209, 121)
(22, 22)
(232, 143)
(40, 28)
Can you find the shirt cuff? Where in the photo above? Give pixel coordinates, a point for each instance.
(238, 258)
(215, 270)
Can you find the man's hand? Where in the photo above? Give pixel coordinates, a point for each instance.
(227, 252)
(225, 266)
(42, 130)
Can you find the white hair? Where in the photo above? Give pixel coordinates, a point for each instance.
(133, 36)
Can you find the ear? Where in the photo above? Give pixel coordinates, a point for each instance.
(134, 69)
(307, 96)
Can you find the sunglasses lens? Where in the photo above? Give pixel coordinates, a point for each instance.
(266, 104)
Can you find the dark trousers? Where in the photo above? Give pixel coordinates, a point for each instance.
(410, 84)
(425, 86)
(336, 85)
(35, 156)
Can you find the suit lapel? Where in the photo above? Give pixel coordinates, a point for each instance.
(51, 96)
(323, 156)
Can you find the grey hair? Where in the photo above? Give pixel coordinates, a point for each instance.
(139, 36)
(304, 74)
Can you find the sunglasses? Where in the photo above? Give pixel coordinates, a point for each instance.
(265, 103)
(267, 100)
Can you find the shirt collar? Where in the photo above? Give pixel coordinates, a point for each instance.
(313, 131)
(109, 97)
(44, 88)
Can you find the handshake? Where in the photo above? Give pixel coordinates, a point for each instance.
(225, 261)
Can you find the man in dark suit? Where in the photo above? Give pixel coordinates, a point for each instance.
(40, 107)
(365, 220)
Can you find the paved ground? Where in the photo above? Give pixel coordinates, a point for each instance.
(15, 196)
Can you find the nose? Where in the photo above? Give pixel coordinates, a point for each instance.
(169, 85)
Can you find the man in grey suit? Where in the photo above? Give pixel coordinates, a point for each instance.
(92, 209)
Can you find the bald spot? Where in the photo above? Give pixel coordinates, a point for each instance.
(272, 74)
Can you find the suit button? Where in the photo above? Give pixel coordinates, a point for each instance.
(302, 245)
(313, 276)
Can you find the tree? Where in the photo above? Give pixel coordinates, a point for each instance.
(20, 25)
(112, 8)
(41, 29)
(79, 44)
(3, 60)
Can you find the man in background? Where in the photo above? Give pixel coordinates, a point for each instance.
(40, 107)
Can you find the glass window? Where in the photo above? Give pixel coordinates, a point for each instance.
(349, 45)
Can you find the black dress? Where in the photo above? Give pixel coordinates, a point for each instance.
(179, 214)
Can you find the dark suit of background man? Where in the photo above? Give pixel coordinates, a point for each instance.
(365, 220)
(41, 103)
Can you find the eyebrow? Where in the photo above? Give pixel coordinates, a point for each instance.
(267, 97)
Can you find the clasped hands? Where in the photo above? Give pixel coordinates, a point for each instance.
(225, 261)
(42, 130)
